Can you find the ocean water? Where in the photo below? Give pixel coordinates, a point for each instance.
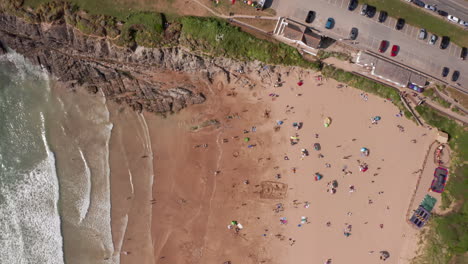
(54, 170)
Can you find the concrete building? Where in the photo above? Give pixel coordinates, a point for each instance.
(298, 33)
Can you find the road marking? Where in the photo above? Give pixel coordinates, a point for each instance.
(456, 50)
(342, 2)
(450, 49)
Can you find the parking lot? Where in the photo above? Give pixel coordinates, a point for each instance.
(413, 52)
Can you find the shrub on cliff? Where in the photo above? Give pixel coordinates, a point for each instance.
(221, 39)
(143, 28)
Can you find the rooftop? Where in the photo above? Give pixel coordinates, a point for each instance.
(392, 72)
(293, 31)
(312, 39)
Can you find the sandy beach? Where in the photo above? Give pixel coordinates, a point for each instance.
(240, 168)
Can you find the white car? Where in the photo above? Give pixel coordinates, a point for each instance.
(433, 39)
(430, 7)
(453, 18)
(461, 22)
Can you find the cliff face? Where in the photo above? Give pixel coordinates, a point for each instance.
(124, 75)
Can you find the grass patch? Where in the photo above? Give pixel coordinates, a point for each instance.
(419, 18)
(459, 96)
(143, 28)
(431, 93)
(101, 7)
(221, 39)
(322, 55)
(458, 136)
(264, 24)
(239, 8)
(365, 84)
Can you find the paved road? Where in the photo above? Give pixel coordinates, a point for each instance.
(413, 52)
(458, 8)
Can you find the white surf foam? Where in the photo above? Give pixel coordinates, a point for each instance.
(85, 189)
(30, 225)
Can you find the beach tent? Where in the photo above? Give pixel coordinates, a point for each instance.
(317, 146)
(318, 176)
(365, 151)
(327, 122)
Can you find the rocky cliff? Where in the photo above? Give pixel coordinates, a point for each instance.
(94, 62)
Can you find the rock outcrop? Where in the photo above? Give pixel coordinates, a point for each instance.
(93, 62)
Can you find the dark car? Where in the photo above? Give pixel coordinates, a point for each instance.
(352, 5)
(395, 50)
(330, 23)
(463, 53)
(445, 71)
(382, 16)
(444, 43)
(442, 13)
(371, 11)
(383, 46)
(440, 179)
(310, 17)
(353, 34)
(400, 24)
(418, 3)
(455, 76)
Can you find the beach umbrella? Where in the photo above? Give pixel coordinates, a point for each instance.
(246, 139)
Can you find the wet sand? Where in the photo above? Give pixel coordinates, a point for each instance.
(200, 177)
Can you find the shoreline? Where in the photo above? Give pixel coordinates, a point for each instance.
(196, 198)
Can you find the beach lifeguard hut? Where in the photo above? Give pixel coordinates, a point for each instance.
(442, 137)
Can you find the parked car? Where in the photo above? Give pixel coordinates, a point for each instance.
(395, 50)
(364, 9)
(442, 13)
(455, 76)
(433, 39)
(371, 11)
(310, 17)
(353, 34)
(440, 179)
(382, 16)
(430, 7)
(383, 46)
(400, 24)
(416, 88)
(330, 23)
(463, 53)
(445, 71)
(453, 19)
(352, 5)
(418, 3)
(422, 34)
(461, 22)
(444, 43)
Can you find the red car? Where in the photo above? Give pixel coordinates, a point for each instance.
(383, 46)
(395, 50)
(440, 179)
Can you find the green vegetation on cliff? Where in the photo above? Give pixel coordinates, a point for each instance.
(450, 231)
(219, 38)
(150, 29)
